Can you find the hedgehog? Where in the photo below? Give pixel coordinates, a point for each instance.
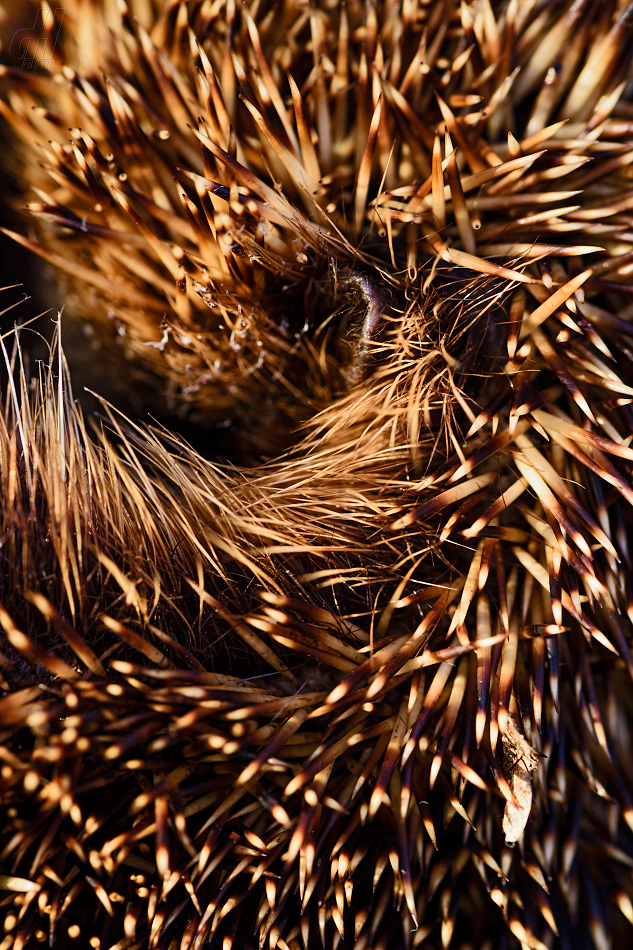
(316, 621)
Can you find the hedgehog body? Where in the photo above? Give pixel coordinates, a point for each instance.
(304, 684)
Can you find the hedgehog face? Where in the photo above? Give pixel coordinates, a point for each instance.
(231, 226)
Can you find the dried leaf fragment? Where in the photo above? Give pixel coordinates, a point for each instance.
(519, 759)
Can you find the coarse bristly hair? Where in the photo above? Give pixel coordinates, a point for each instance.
(304, 683)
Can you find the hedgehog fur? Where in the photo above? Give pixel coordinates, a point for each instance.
(304, 683)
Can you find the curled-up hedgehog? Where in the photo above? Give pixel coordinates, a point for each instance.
(317, 634)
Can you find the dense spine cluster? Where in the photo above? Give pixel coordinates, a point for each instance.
(380, 254)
